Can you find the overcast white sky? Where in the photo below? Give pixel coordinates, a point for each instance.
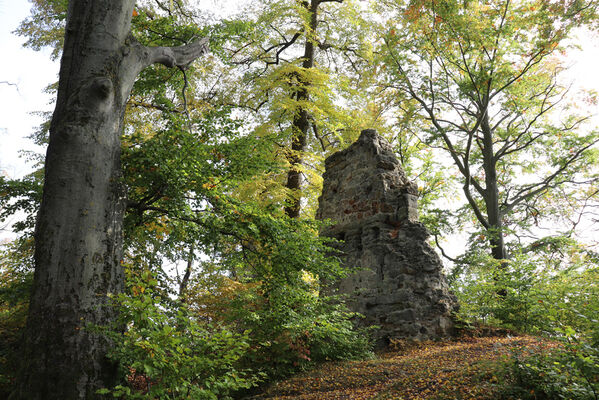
(32, 71)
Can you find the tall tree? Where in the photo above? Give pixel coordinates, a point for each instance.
(485, 77)
(78, 236)
(302, 119)
(296, 66)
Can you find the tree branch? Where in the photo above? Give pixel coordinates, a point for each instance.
(142, 104)
(11, 84)
(534, 189)
(479, 215)
(180, 56)
(443, 253)
(283, 47)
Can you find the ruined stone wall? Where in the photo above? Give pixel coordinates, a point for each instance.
(399, 284)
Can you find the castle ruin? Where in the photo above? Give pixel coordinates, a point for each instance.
(399, 284)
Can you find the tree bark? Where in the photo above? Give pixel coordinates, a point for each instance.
(491, 195)
(78, 235)
(185, 280)
(301, 121)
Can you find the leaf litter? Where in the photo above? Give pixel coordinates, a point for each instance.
(466, 368)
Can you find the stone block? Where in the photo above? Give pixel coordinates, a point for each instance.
(399, 284)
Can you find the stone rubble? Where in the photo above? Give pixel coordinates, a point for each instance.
(399, 283)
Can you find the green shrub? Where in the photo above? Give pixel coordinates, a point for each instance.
(165, 353)
(15, 285)
(528, 294)
(569, 372)
(292, 327)
(270, 285)
(552, 291)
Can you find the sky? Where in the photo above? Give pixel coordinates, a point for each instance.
(31, 72)
(28, 72)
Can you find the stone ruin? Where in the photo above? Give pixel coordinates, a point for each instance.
(398, 284)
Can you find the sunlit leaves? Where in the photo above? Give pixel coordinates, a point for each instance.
(45, 26)
(484, 79)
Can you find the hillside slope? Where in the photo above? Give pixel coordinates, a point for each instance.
(460, 369)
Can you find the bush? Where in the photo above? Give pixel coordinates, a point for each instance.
(268, 283)
(166, 353)
(570, 372)
(226, 339)
(553, 291)
(292, 327)
(529, 295)
(15, 285)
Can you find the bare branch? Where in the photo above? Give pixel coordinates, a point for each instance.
(534, 60)
(536, 188)
(479, 215)
(284, 46)
(315, 129)
(454, 260)
(11, 84)
(546, 106)
(142, 104)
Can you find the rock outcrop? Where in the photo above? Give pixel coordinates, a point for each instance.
(399, 283)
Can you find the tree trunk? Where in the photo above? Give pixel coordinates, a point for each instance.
(301, 121)
(78, 235)
(299, 141)
(494, 215)
(185, 280)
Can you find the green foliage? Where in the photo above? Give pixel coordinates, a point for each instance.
(261, 282)
(293, 328)
(21, 197)
(165, 353)
(297, 333)
(504, 294)
(264, 267)
(45, 26)
(538, 293)
(549, 288)
(571, 372)
(275, 292)
(15, 283)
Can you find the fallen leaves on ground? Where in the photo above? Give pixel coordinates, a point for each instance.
(461, 369)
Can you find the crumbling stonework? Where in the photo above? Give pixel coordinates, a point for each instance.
(399, 284)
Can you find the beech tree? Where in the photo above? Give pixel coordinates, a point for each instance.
(294, 69)
(484, 77)
(78, 237)
(301, 120)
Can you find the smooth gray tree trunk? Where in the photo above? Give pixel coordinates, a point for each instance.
(79, 231)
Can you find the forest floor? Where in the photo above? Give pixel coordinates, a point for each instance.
(460, 369)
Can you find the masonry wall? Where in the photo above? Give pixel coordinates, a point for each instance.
(399, 283)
